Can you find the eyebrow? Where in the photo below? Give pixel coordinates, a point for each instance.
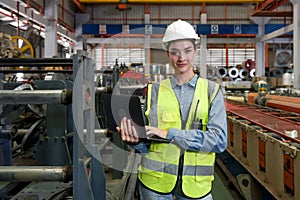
(174, 49)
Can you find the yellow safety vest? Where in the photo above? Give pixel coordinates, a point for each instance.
(159, 168)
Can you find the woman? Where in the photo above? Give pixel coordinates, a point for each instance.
(187, 110)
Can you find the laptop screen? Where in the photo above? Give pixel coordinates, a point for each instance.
(118, 106)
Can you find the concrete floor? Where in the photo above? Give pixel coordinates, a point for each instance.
(222, 188)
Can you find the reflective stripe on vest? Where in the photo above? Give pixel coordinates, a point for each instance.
(159, 168)
(173, 169)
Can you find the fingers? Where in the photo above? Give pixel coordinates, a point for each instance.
(124, 129)
(150, 130)
(135, 135)
(127, 131)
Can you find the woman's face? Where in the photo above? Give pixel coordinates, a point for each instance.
(181, 54)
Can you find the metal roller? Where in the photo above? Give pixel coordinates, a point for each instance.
(8, 131)
(99, 90)
(244, 73)
(233, 72)
(221, 72)
(277, 72)
(35, 96)
(252, 73)
(249, 64)
(35, 173)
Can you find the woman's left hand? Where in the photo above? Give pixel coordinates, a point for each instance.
(150, 130)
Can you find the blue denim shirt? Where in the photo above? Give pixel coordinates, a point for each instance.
(214, 139)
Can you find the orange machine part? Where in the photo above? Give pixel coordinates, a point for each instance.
(261, 156)
(231, 135)
(291, 104)
(288, 174)
(251, 97)
(244, 143)
(284, 105)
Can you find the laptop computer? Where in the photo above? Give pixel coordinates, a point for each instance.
(118, 106)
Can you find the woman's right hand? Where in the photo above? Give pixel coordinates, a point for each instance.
(127, 131)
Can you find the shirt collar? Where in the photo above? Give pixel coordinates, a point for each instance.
(192, 82)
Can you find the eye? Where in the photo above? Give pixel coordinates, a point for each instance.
(187, 51)
(174, 52)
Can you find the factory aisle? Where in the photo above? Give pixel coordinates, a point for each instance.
(221, 188)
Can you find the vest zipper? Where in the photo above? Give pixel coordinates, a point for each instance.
(180, 167)
(181, 158)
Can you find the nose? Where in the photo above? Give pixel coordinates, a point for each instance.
(181, 56)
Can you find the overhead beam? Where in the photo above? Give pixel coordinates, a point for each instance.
(272, 14)
(266, 9)
(115, 41)
(277, 33)
(158, 40)
(270, 5)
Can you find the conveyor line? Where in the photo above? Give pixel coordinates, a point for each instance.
(264, 119)
(285, 105)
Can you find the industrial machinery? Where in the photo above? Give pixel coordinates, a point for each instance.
(34, 131)
(54, 138)
(62, 148)
(262, 157)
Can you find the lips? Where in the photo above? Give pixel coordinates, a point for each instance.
(181, 64)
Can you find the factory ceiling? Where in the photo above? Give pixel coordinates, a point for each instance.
(269, 8)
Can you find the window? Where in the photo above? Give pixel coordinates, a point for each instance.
(215, 57)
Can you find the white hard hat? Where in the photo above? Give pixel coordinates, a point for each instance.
(179, 30)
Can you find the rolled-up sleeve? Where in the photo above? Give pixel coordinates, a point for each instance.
(140, 148)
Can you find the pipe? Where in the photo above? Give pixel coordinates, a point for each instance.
(35, 173)
(248, 64)
(62, 62)
(8, 131)
(244, 73)
(227, 54)
(40, 71)
(203, 10)
(35, 96)
(266, 55)
(102, 54)
(233, 72)
(99, 90)
(221, 72)
(252, 73)
(20, 132)
(147, 9)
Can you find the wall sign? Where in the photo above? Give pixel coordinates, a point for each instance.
(214, 29)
